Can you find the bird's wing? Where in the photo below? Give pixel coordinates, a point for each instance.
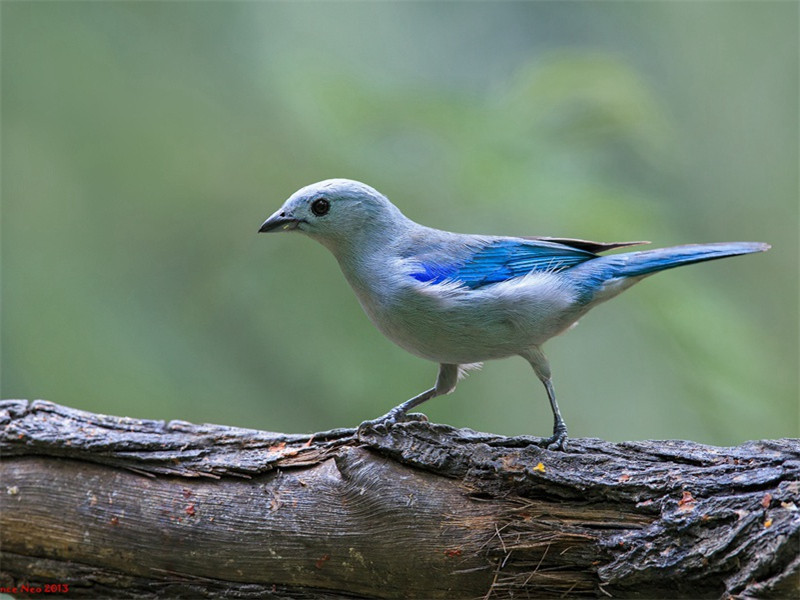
(586, 244)
(499, 259)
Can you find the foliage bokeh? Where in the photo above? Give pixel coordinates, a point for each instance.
(143, 143)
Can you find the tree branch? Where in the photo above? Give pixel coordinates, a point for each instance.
(123, 507)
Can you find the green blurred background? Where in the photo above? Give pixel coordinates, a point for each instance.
(144, 143)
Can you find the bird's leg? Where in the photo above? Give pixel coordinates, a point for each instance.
(445, 383)
(557, 441)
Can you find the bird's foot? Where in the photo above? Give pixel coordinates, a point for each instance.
(384, 423)
(381, 424)
(557, 441)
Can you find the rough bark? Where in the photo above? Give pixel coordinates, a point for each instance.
(118, 507)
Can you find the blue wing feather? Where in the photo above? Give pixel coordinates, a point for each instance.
(501, 260)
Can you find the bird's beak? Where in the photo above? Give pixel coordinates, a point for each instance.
(280, 221)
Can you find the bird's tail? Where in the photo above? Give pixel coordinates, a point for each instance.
(636, 264)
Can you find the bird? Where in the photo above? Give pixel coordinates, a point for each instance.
(462, 299)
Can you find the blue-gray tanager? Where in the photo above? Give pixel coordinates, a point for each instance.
(460, 299)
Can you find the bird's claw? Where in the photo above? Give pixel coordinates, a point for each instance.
(383, 424)
(379, 425)
(557, 441)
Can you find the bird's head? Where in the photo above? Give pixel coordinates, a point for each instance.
(336, 211)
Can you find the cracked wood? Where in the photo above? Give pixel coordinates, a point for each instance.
(136, 508)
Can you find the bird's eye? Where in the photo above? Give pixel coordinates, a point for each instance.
(320, 207)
